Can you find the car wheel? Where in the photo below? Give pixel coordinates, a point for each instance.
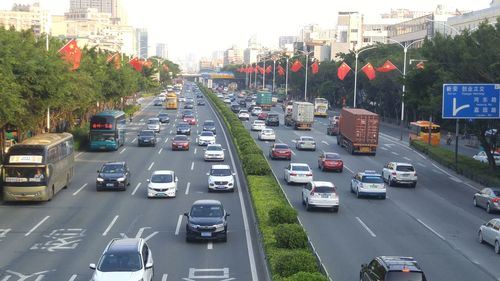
(335, 209)
(188, 239)
(224, 239)
(391, 183)
(474, 201)
(340, 171)
(480, 237)
(351, 189)
(357, 192)
(308, 207)
(488, 208)
(303, 200)
(497, 247)
(414, 184)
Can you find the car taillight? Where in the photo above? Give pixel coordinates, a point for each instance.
(415, 174)
(293, 174)
(495, 200)
(309, 174)
(393, 173)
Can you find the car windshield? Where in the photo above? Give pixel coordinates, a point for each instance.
(405, 168)
(146, 133)
(281, 146)
(204, 211)
(153, 121)
(258, 122)
(207, 134)
(209, 124)
(220, 172)
(307, 139)
(267, 131)
(214, 148)
(243, 111)
(180, 138)
(496, 192)
(112, 168)
(332, 156)
(188, 116)
(300, 168)
(372, 179)
(404, 276)
(182, 125)
(159, 178)
(120, 262)
(324, 189)
(163, 115)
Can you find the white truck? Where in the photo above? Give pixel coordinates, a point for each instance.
(301, 116)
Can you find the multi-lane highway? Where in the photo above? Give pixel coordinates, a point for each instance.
(57, 240)
(435, 223)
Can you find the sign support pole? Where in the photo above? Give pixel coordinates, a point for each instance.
(456, 145)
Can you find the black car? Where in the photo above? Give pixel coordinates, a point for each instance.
(199, 95)
(164, 118)
(242, 103)
(209, 125)
(390, 268)
(235, 108)
(207, 220)
(272, 119)
(183, 128)
(201, 102)
(146, 137)
(113, 175)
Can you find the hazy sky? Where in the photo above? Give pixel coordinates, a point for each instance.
(201, 27)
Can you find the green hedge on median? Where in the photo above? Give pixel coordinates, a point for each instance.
(467, 166)
(284, 240)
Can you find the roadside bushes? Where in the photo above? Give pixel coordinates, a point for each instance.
(284, 241)
(80, 137)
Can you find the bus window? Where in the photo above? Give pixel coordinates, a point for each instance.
(25, 174)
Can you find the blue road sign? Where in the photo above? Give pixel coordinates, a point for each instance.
(471, 101)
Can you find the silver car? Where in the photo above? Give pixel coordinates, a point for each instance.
(490, 233)
(305, 142)
(320, 194)
(154, 124)
(488, 198)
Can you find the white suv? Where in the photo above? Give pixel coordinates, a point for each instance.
(221, 178)
(402, 173)
(154, 124)
(320, 194)
(368, 183)
(243, 114)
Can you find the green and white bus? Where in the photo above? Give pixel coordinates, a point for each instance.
(37, 168)
(107, 130)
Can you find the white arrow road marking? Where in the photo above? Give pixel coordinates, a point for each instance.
(455, 109)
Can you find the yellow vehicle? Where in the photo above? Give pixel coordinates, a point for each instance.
(37, 168)
(419, 130)
(171, 101)
(320, 107)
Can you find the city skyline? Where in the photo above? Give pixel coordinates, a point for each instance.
(208, 28)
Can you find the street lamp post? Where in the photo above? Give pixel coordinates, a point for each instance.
(274, 74)
(356, 55)
(307, 66)
(405, 49)
(286, 78)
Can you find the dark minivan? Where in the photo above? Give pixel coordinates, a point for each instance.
(272, 119)
(391, 268)
(207, 220)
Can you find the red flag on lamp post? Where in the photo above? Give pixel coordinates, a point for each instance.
(420, 65)
(71, 53)
(315, 67)
(369, 71)
(269, 69)
(261, 69)
(281, 70)
(296, 66)
(136, 63)
(387, 67)
(343, 70)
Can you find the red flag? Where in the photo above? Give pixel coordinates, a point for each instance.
(165, 68)
(387, 66)
(280, 68)
(71, 53)
(296, 66)
(315, 67)
(260, 69)
(147, 63)
(269, 69)
(136, 63)
(256, 69)
(420, 65)
(343, 70)
(369, 71)
(281, 72)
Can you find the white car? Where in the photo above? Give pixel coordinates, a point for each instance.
(258, 125)
(206, 138)
(182, 99)
(267, 134)
(403, 173)
(221, 178)
(490, 233)
(256, 110)
(243, 114)
(219, 95)
(368, 183)
(320, 194)
(227, 101)
(298, 173)
(483, 158)
(214, 152)
(124, 259)
(305, 142)
(163, 183)
(153, 124)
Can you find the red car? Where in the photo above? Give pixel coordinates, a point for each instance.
(190, 119)
(330, 161)
(262, 116)
(180, 142)
(280, 150)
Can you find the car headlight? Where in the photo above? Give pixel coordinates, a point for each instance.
(100, 179)
(230, 184)
(219, 227)
(193, 226)
(121, 179)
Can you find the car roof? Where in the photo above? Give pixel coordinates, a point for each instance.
(303, 137)
(148, 131)
(402, 164)
(154, 118)
(323, 183)
(206, 121)
(114, 163)
(280, 143)
(258, 121)
(220, 167)
(180, 136)
(214, 144)
(299, 164)
(395, 263)
(124, 245)
(182, 123)
(207, 202)
(163, 172)
(207, 132)
(370, 173)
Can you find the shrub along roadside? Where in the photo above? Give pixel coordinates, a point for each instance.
(288, 255)
(467, 166)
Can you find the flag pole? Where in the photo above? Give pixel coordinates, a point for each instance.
(274, 74)
(286, 78)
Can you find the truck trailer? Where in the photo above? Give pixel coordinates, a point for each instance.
(358, 130)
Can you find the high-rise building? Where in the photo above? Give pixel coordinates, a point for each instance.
(250, 55)
(112, 7)
(233, 55)
(161, 50)
(286, 42)
(24, 17)
(142, 42)
(472, 19)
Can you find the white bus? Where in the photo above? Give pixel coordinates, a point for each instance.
(320, 107)
(37, 168)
